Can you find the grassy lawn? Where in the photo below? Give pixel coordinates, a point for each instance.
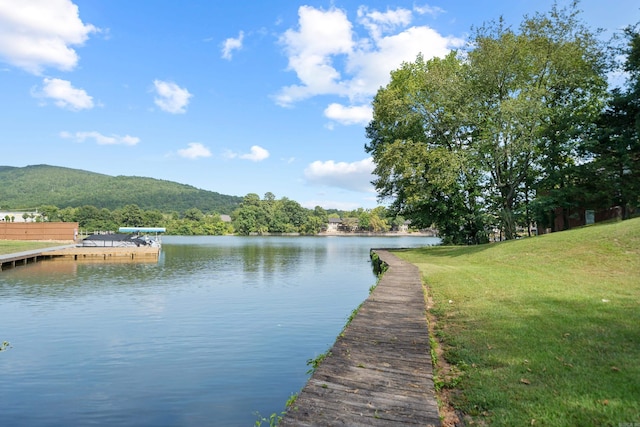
(13, 246)
(542, 331)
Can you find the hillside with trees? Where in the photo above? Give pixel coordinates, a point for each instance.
(33, 186)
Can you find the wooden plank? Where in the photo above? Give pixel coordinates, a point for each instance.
(79, 253)
(378, 372)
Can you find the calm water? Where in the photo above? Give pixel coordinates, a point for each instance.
(219, 329)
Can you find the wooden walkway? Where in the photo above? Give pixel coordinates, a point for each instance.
(26, 257)
(78, 253)
(379, 371)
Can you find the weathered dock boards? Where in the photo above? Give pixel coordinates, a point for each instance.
(26, 257)
(107, 253)
(379, 371)
(78, 253)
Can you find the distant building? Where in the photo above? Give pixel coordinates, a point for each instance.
(334, 225)
(342, 225)
(565, 219)
(402, 228)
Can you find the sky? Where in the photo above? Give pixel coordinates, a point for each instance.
(236, 97)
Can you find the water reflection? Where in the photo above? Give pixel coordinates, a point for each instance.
(216, 329)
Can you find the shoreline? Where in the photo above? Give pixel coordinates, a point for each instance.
(384, 234)
(347, 234)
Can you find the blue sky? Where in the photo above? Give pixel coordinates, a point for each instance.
(230, 96)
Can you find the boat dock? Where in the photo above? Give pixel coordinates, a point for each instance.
(84, 253)
(79, 253)
(379, 370)
(27, 257)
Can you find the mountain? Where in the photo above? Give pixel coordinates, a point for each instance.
(30, 187)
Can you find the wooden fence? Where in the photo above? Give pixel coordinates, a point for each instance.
(64, 231)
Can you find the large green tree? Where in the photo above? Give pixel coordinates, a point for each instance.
(421, 143)
(252, 216)
(271, 215)
(461, 141)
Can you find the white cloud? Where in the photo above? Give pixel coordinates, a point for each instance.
(257, 154)
(371, 69)
(64, 95)
(358, 114)
(377, 22)
(231, 44)
(429, 10)
(321, 35)
(35, 34)
(171, 97)
(101, 139)
(330, 56)
(195, 150)
(355, 176)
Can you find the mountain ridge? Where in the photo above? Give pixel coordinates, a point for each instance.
(33, 186)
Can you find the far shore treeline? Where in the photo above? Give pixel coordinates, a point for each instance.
(253, 216)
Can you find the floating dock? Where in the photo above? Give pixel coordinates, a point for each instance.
(79, 253)
(379, 371)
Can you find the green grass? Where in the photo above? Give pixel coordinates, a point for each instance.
(545, 331)
(13, 246)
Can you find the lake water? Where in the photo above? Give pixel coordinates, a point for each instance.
(219, 329)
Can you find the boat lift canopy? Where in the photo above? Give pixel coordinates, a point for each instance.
(142, 229)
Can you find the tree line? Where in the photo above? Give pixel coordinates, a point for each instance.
(254, 216)
(271, 215)
(91, 219)
(515, 129)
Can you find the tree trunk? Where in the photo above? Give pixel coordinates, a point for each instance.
(508, 223)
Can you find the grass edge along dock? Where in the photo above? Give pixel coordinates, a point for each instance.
(542, 331)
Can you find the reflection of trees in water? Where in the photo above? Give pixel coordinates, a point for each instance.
(201, 261)
(258, 259)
